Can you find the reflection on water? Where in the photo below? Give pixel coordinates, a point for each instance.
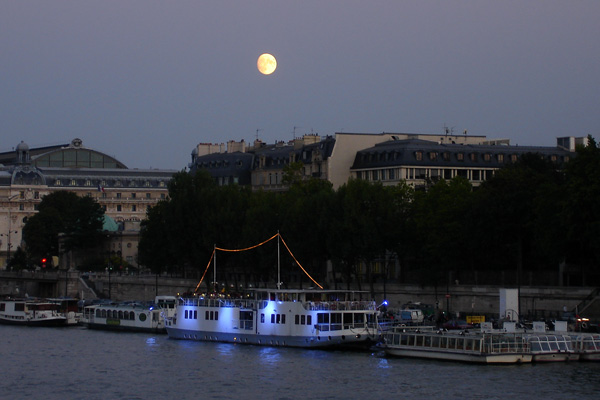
(77, 363)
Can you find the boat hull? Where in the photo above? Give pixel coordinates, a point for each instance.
(124, 328)
(481, 358)
(41, 322)
(327, 341)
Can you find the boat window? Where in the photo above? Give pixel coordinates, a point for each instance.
(120, 314)
(195, 314)
(2, 306)
(206, 314)
(103, 313)
(309, 320)
(131, 315)
(278, 318)
(262, 318)
(98, 313)
(19, 306)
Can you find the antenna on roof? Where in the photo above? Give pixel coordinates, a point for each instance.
(294, 131)
(257, 130)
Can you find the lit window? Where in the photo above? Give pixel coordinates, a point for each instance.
(419, 155)
(460, 156)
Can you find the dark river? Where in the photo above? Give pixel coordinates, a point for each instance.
(76, 363)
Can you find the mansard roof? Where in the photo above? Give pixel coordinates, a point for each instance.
(416, 152)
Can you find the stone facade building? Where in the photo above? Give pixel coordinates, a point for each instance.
(28, 174)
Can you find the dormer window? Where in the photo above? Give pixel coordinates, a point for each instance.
(419, 155)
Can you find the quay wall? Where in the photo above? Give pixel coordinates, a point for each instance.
(461, 299)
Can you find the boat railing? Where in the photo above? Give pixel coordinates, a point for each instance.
(209, 302)
(339, 305)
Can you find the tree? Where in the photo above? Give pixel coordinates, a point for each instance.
(582, 207)
(516, 218)
(78, 218)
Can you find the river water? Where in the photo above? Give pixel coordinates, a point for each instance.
(76, 363)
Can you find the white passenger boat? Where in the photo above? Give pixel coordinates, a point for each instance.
(136, 317)
(551, 348)
(31, 313)
(278, 317)
(486, 348)
(587, 346)
(314, 318)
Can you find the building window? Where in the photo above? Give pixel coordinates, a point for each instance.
(473, 156)
(460, 156)
(375, 175)
(57, 182)
(162, 196)
(487, 157)
(433, 155)
(419, 155)
(391, 174)
(148, 195)
(133, 195)
(119, 208)
(553, 158)
(36, 195)
(88, 182)
(446, 156)
(500, 158)
(513, 158)
(133, 208)
(118, 195)
(21, 207)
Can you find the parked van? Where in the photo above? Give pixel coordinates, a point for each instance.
(411, 317)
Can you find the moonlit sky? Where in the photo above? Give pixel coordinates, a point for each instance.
(145, 81)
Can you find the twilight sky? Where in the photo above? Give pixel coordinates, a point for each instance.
(146, 80)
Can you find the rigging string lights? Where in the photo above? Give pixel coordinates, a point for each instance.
(253, 247)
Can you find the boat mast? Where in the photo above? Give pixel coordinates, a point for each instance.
(215, 270)
(278, 264)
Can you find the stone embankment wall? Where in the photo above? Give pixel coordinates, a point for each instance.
(461, 299)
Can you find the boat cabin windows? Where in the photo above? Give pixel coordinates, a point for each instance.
(192, 314)
(278, 318)
(303, 319)
(2, 306)
(246, 320)
(19, 306)
(211, 315)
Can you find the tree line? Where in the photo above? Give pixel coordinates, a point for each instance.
(528, 217)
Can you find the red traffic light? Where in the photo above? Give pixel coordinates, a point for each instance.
(43, 263)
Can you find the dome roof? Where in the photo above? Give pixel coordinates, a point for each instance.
(109, 224)
(22, 146)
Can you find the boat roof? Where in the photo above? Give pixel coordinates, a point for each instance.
(310, 290)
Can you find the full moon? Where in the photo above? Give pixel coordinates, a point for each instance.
(266, 64)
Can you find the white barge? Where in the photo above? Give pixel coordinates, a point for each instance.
(136, 317)
(31, 313)
(486, 348)
(278, 317)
